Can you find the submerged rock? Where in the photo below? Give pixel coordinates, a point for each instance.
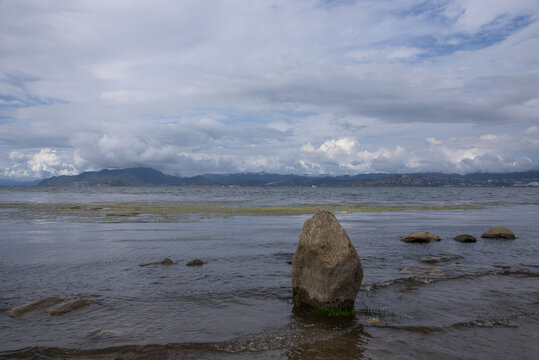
(165, 261)
(439, 259)
(422, 270)
(196, 262)
(99, 334)
(326, 270)
(498, 232)
(374, 321)
(169, 277)
(465, 238)
(510, 270)
(52, 305)
(34, 306)
(420, 237)
(69, 306)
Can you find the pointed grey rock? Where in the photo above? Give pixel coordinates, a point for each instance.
(326, 270)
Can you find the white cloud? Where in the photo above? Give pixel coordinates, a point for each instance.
(308, 147)
(126, 97)
(46, 162)
(473, 14)
(489, 137)
(434, 141)
(386, 54)
(16, 156)
(333, 148)
(192, 87)
(532, 130)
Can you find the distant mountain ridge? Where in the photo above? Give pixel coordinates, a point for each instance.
(120, 177)
(141, 176)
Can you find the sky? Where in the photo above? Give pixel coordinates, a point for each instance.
(282, 86)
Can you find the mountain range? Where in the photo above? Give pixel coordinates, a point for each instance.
(150, 177)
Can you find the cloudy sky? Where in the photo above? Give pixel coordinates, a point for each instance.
(285, 86)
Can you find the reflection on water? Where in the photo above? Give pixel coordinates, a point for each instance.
(238, 304)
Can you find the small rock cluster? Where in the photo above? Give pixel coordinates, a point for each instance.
(167, 261)
(497, 232)
(56, 306)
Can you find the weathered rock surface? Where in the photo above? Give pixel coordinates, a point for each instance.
(326, 270)
(422, 270)
(69, 306)
(498, 232)
(465, 238)
(420, 237)
(439, 259)
(196, 262)
(165, 261)
(34, 306)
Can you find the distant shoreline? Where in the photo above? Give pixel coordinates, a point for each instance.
(152, 177)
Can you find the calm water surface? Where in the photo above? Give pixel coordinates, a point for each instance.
(237, 306)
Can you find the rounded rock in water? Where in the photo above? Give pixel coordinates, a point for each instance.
(498, 232)
(465, 238)
(326, 270)
(421, 237)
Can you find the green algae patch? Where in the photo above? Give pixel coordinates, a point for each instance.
(178, 212)
(332, 312)
(321, 312)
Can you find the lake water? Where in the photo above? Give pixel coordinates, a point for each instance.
(89, 243)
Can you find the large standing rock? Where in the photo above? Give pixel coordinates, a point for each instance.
(326, 271)
(498, 232)
(420, 237)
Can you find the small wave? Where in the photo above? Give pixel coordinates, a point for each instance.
(462, 325)
(417, 328)
(513, 270)
(291, 336)
(507, 323)
(511, 321)
(500, 270)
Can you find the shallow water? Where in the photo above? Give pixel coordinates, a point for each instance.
(484, 306)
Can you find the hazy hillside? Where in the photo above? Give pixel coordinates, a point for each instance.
(151, 177)
(120, 177)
